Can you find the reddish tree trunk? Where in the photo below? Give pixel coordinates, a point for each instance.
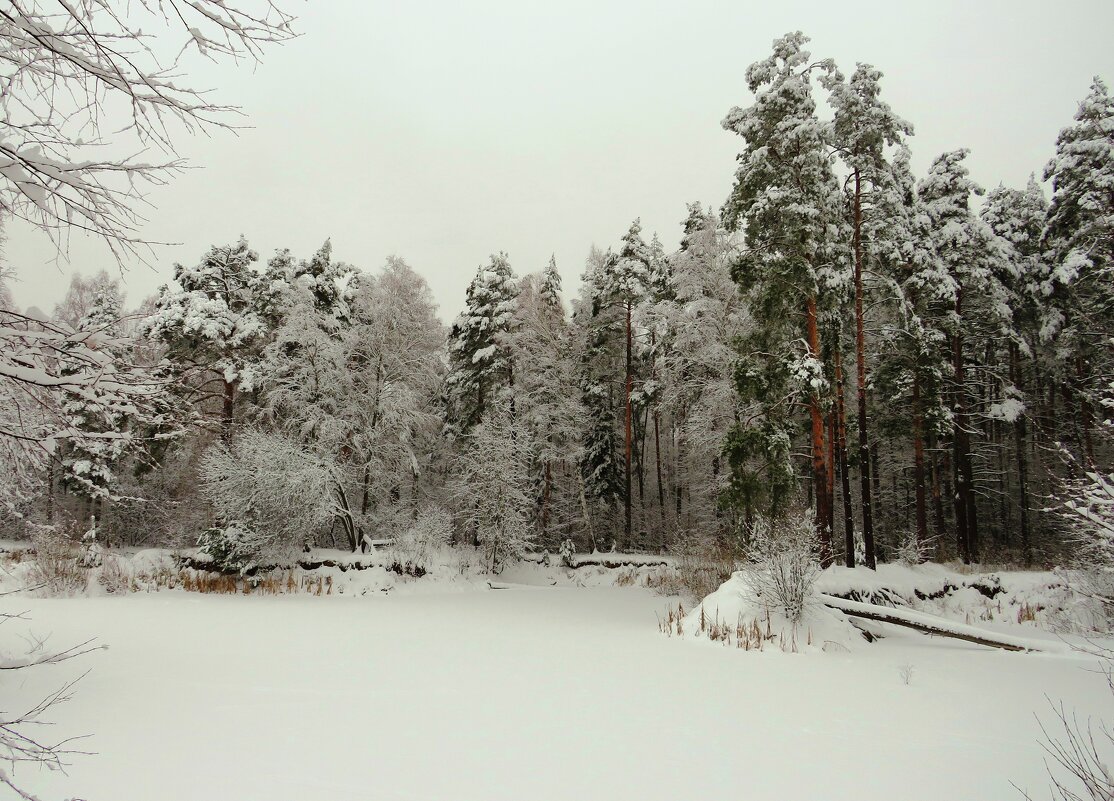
(819, 466)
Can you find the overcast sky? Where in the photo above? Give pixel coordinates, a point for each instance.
(444, 132)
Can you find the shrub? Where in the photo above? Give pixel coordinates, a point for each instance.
(702, 566)
(416, 547)
(58, 562)
(232, 548)
(911, 551)
(283, 489)
(568, 553)
(782, 564)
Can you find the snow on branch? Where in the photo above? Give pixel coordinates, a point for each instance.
(77, 75)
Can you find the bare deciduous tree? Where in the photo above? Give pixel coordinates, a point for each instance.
(87, 87)
(20, 739)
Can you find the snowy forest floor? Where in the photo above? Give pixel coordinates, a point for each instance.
(529, 692)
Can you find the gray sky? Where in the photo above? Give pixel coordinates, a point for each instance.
(443, 132)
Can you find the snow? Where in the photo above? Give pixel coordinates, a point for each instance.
(1008, 410)
(536, 693)
(736, 606)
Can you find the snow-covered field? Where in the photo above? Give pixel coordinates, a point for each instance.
(525, 694)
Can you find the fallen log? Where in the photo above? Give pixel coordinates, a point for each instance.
(937, 626)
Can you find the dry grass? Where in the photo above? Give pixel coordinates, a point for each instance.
(115, 579)
(700, 570)
(671, 623)
(1027, 613)
(627, 577)
(57, 563)
(747, 635)
(278, 582)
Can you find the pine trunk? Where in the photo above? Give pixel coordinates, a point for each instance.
(860, 375)
(841, 455)
(657, 465)
(229, 400)
(628, 434)
(1019, 432)
(545, 497)
(819, 466)
(966, 524)
(918, 460)
(1086, 417)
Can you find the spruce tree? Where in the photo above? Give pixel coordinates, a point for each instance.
(480, 363)
(600, 325)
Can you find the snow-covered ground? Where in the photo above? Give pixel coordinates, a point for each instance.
(526, 694)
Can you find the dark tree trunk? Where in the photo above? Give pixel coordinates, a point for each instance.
(966, 522)
(860, 376)
(937, 494)
(876, 479)
(1019, 432)
(229, 400)
(841, 453)
(628, 433)
(1086, 417)
(657, 466)
(546, 489)
(678, 489)
(830, 464)
(918, 460)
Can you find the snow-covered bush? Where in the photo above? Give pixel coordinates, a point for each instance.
(492, 489)
(1088, 509)
(782, 564)
(280, 489)
(232, 547)
(420, 543)
(568, 553)
(912, 551)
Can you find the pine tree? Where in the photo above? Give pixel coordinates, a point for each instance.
(330, 285)
(1079, 238)
(787, 200)
(626, 277)
(864, 126)
(211, 319)
(969, 259)
(1017, 217)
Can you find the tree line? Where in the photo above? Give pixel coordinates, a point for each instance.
(919, 370)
